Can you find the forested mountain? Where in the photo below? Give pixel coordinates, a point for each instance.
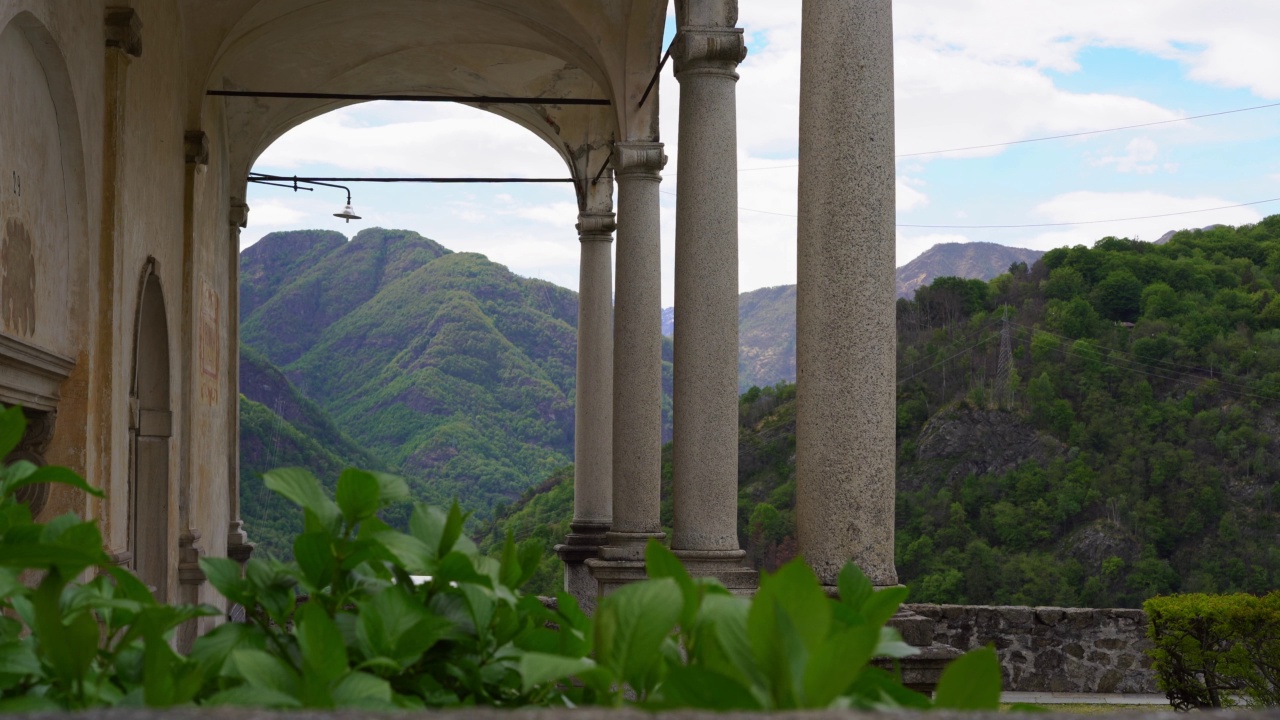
(441, 366)
(973, 260)
(1131, 451)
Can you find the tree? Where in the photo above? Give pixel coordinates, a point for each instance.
(1119, 296)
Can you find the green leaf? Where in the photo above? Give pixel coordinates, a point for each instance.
(884, 604)
(408, 552)
(789, 618)
(836, 663)
(391, 488)
(970, 682)
(30, 704)
(224, 575)
(452, 528)
(660, 562)
(631, 625)
(17, 658)
(253, 696)
(363, 690)
(891, 645)
(699, 687)
(55, 474)
(357, 495)
(12, 427)
(324, 653)
(265, 671)
(314, 553)
(302, 489)
(427, 524)
(878, 689)
(540, 668)
(855, 588)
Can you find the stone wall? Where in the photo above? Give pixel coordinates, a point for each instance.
(1053, 649)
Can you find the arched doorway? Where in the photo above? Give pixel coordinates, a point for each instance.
(150, 431)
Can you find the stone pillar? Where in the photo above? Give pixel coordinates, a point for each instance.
(637, 367)
(593, 419)
(238, 546)
(705, 402)
(845, 339)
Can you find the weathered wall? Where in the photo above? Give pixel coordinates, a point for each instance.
(1053, 649)
(96, 136)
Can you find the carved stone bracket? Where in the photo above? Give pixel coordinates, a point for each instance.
(189, 554)
(124, 30)
(709, 50)
(196, 147)
(239, 215)
(596, 227)
(643, 160)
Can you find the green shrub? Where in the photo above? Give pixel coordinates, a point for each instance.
(1216, 650)
(369, 617)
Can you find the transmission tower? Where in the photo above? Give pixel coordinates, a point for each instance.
(1004, 370)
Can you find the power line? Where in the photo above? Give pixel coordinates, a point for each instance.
(1037, 225)
(1047, 137)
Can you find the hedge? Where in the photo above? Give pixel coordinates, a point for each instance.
(1215, 651)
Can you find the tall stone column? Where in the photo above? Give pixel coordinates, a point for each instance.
(238, 546)
(845, 332)
(705, 401)
(637, 367)
(593, 420)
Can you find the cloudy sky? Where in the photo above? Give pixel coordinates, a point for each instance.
(968, 72)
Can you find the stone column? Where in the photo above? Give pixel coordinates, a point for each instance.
(637, 367)
(238, 546)
(593, 419)
(705, 401)
(845, 339)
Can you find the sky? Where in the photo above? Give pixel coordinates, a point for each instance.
(967, 73)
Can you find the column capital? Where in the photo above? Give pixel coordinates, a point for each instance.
(639, 160)
(238, 216)
(709, 50)
(596, 227)
(123, 30)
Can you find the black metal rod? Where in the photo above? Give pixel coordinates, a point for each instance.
(665, 57)
(324, 180)
(603, 167)
(480, 99)
(277, 184)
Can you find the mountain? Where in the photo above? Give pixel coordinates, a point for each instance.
(976, 260)
(1129, 461)
(443, 367)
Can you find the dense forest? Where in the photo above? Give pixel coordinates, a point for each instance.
(1129, 450)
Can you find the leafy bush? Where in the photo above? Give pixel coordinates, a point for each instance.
(370, 617)
(1216, 650)
(72, 645)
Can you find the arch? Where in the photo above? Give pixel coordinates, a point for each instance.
(44, 198)
(150, 437)
(541, 48)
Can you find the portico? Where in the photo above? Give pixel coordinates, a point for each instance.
(124, 185)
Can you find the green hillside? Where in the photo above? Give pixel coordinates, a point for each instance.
(1134, 459)
(440, 366)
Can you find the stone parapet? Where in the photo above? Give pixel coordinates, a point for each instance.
(1045, 649)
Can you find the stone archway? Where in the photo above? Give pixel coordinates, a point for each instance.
(150, 432)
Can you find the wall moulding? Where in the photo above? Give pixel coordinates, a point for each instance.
(31, 376)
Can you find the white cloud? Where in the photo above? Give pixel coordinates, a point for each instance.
(274, 213)
(1087, 205)
(1138, 158)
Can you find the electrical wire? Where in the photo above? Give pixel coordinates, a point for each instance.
(1047, 137)
(1037, 225)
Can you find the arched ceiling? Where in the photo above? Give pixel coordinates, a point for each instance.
(528, 48)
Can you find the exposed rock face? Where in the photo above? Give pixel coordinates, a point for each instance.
(1046, 649)
(978, 260)
(964, 441)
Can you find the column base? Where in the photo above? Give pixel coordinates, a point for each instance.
(580, 545)
(723, 565)
(609, 575)
(627, 546)
(238, 546)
